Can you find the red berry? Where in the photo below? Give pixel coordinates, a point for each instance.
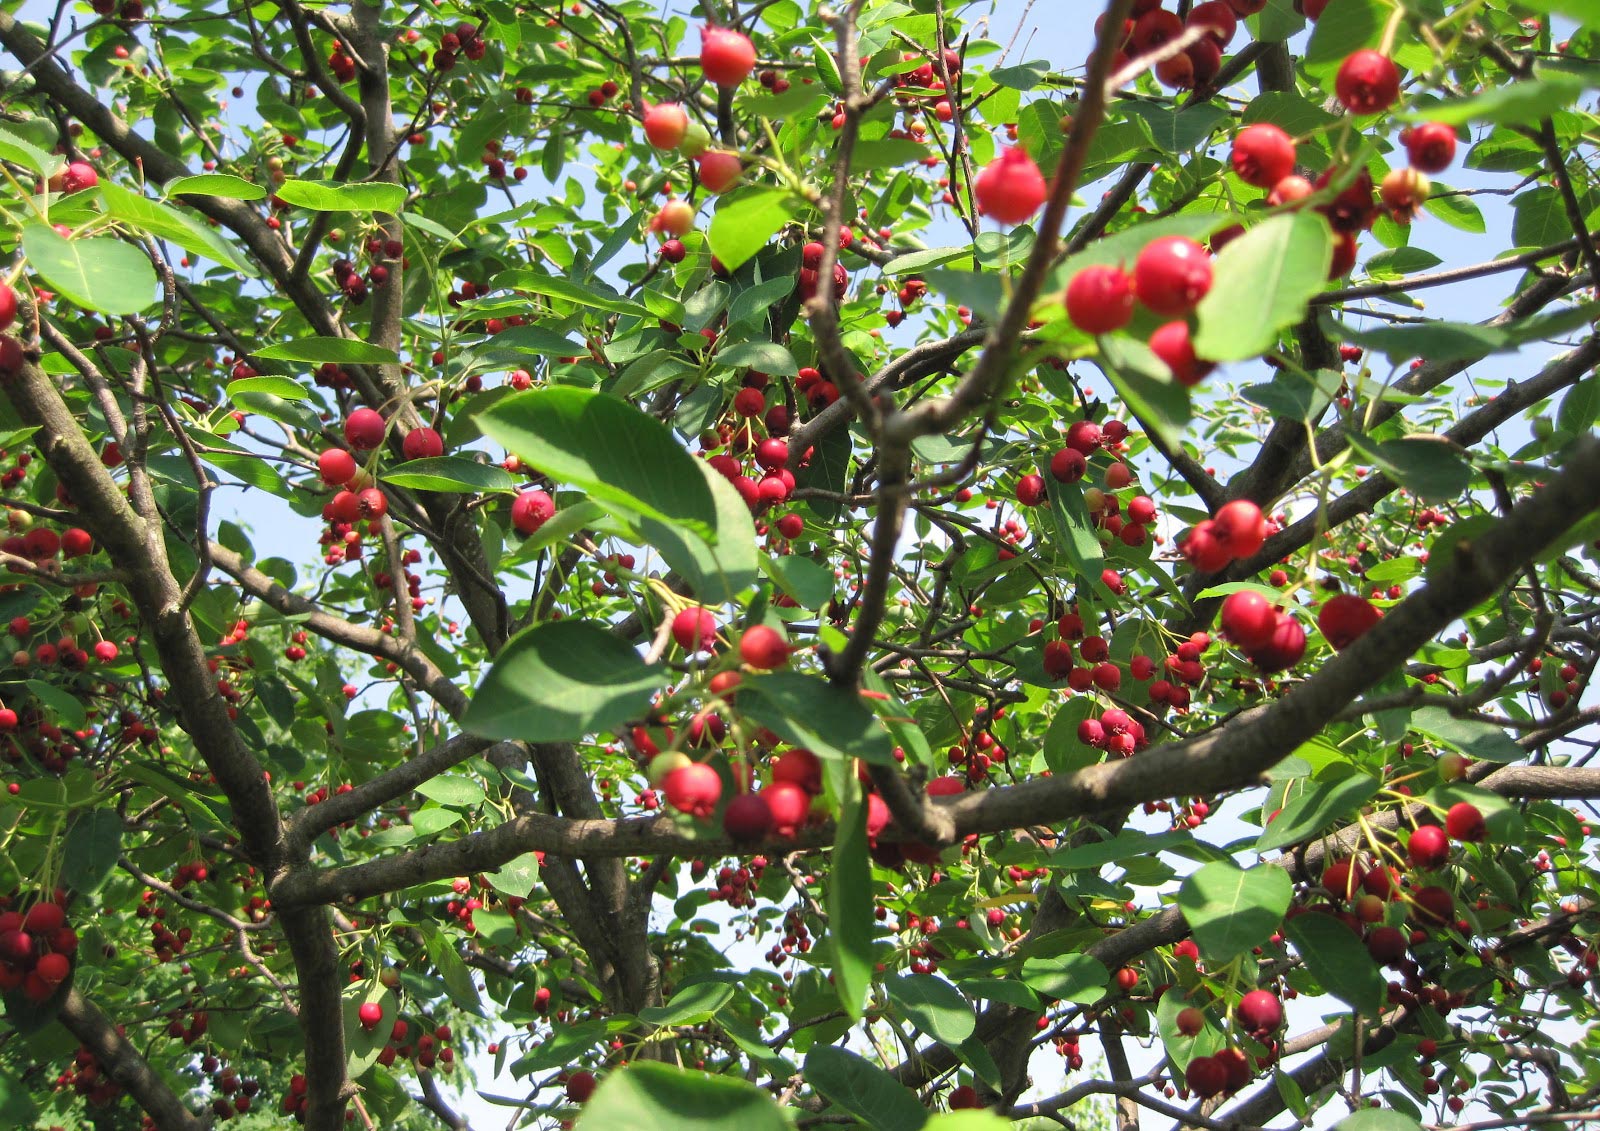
(1100, 299)
(763, 647)
(1428, 847)
(799, 767)
(337, 467)
(580, 1086)
(370, 1013)
(1207, 1076)
(1344, 618)
(1263, 154)
(531, 510)
(1431, 147)
(695, 630)
(8, 306)
(747, 818)
(422, 443)
(693, 789)
(1464, 822)
(363, 429)
(1084, 436)
(1240, 527)
(1173, 345)
(1010, 188)
(719, 169)
(1068, 466)
(964, 1097)
(1219, 20)
(1030, 490)
(1190, 1021)
(1260, 1012)
(53, 969)
(665, 124)
(790, 806)
(1172, 275)
(1367, 82)
(44, 918)
(726, 56)
(1284, 649)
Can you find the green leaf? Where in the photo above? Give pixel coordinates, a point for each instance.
(98, 273)
(1482, 741)
(17, 1107)
(1377, 1119)
(340, 351)
(366, 1045)
(850, 919)
(765, 357)
(1230, 909)
(1580, 407)
(969, 1120)
(517, 878)
(1180, 1048)
(1177, 131)
(1264, 279)
(283, 388)
(593, 293)
(858, 1086)
(1072, 531)
(560, 681)
(803, 579)
(1539, 218)
(1345, 26)
(1338, 960)
(621, 457)
(746, 222)
(1145, 384)
(456, 474)
(453, 791)
(1315, 810)
(1066, 977)
(692, 1005)
(648, 1096)
(715, 573)
(1275, 23)
(886, 153)
(20, 150)
(214, 184)
(458, 984)
(1123, 846)
(90, 855)
(913, 261)
(934, 1006)
(753, 303)
(168, 223)
(66, 707)
(1512, 104)
(1022, 76)
(1458, 211)
(1436, 341)
(813, 712)
(1432, 467)
(328, 196)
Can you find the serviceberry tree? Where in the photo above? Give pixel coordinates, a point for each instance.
(525, 565)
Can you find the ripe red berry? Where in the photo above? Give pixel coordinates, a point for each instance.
(1434, 906)
(53, 969)
(726, 56)
(363, 429)
(1263, 154)
(370, 1013)
(1285, 647)
(44, 918)
(665, 124)
(695, 630)
(963, 1097)
(1240, 527)
(1464, 822)
(1172, 275)
(1260, 1012)
(422, 443)
(1068, 466)
(580, 1086)
(1084, 436)
(763, 647)
(747, 818)
(1367, 82)
(1219, 20)
(531, 510)
(1030, 490)
(8, 306)
(1010, 188)
(790, 806)
(1206, 1076)
(1172, 344)
(799, 767)
(1345, 618)
(693, 789)
(1190, 1021)
(76, 542)
(719, 169)
(1100, 299)
(1431, 147)
(336, 466)
(1428, 847)
(1248, 619)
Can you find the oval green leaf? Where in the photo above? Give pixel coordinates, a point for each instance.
(97, 273)
(646, 1096)
(1264, 279)
(1231, 910)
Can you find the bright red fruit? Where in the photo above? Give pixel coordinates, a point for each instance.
(1345, 618)
(1284, 649)
(1172, 275)
(1431, 147)
(1244, 8)
(1263, 154)
(1367, 82)
(1190, 1021)
(531, 510)
(44, 918)
(1428, 847)
(53, 969)
(1173, 345)
(76, 542)
(964, 1097)
(719, 169)
(1100, 299)
(1240, 527)
(1464, 822)
(693, 789)
(1207, 1076)
(8, 306)
(790, 806)
(1217, 18)
(1248, 619)
(1010, 188)
(580, 1086)
(370, 1014)
(79, 176)
(1068, 465)
(747, 818)
(1434, 905)
(1260, 1012)
(1084, 436)
(363, 429)
(726, 56)
(695, 630)
(336, 466)
(1030, 490)
(422, 443)
(763, 647)
(798, 767)
(665, 123)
